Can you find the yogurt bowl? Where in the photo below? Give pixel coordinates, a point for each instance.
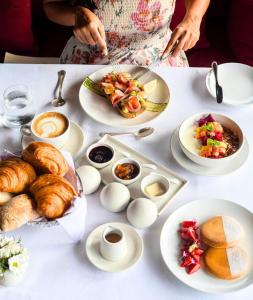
(190, 145)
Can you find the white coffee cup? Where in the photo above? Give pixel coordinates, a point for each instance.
(113, 250)
(55, 138)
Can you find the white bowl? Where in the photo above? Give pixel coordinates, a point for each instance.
(190, 146)
(122, 161)
(152, 178)
(99, 165)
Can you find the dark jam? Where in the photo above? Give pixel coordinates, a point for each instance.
(127, 171)
(100, 154)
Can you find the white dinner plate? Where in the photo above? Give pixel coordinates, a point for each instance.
(100, 109)
(134, 248)
(236, 81)
(170, 240)
(74, 145)
(192, 167)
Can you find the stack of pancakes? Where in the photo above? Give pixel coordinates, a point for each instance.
(224, 257)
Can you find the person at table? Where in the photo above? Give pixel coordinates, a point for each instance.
(126, 31)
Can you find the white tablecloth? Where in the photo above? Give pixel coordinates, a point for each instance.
(59, 269)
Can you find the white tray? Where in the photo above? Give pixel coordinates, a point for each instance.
(121, 151)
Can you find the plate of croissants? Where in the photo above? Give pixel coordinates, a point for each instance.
(36, 187)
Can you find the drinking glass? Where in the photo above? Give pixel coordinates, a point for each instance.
(18, 106)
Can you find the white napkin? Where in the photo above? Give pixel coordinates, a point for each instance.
(73, 222)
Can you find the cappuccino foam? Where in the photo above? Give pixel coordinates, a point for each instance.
(50, 125)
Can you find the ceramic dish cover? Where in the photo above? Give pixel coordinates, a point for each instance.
(134, 248)
(170, 240)
(101, 110)
(236, 82)
(192, 167)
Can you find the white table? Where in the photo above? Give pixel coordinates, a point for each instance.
(59, 269)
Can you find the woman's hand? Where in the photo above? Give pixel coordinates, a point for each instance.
(184, 37)
(89, 29)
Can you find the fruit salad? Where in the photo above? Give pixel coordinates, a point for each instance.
(125, 93)
(216, 140)
(190, 251)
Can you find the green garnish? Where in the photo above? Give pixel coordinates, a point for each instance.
(208, 127)
(213, 143)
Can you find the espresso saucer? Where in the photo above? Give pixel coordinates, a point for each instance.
(134, 248)
(192, 167)
(74, 144)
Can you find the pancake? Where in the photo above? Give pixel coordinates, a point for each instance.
(221, 232)
(228, 264)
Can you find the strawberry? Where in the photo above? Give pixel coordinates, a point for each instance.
(187, 262)
(193, 268)
(198, 251)
(187, 224)
(218, 136)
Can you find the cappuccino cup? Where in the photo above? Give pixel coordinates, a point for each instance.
(49, 127)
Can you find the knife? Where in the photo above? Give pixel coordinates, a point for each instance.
(219, 92)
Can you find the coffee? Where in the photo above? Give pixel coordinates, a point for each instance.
(50, 125)
(113, 237)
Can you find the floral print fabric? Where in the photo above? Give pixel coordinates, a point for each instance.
(137, 32)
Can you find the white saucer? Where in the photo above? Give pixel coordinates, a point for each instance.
(192, 167)
(170, 240)
(134, 251)
(236, 81)
(74, 145)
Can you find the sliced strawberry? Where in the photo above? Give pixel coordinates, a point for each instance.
(218, 136)
(185, 254)
(198, 251)
(187, 262)
(189, 234)
(187, 224)
(193, 268)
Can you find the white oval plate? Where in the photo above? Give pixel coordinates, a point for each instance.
(100, 109)
(74, 145)
(170, 240)
(236, 81)
(193, 167)
(134, 250)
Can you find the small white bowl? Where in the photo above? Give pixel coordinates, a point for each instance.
(152, 178)
(123, 161)
(190, 146)
(99, 165)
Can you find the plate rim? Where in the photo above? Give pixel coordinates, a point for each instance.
(229, 103)
(162, 253)
(118, 125)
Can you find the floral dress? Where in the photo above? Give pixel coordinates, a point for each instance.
(137, 32)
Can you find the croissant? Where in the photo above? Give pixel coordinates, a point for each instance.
(45, 158)
(15, 175)
(17, 212)
(53, 195)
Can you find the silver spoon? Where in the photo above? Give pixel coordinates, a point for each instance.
(140, 133)
(59, 101)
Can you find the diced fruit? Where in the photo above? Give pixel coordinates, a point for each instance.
(187, 262)
(187, 224)
(193, 268)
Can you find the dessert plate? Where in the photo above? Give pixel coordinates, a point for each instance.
(192, 167)
(236, 81)
(74, 145)
(134, 248)
(99, 108)
(170, 240)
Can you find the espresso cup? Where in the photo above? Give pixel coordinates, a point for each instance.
(113, 244)
(49, 127)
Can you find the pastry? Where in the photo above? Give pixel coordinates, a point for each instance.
(15, 175)
(17, 212)
(53, 195)
(230, 263)
(4, 197)
(45, 158)
(221, 232)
